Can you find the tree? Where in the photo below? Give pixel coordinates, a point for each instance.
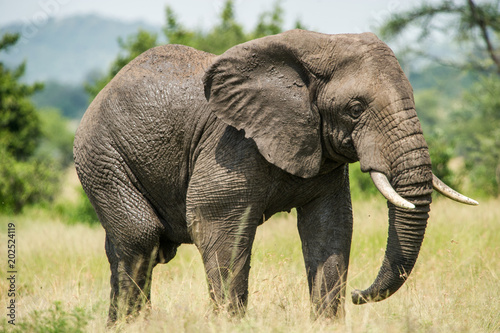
(24, 178)
(271, 23)
(477, 134)
(474, 26)
(19, 124)
(56, 143)
(218, 39)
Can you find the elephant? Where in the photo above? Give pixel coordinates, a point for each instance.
(186, 147)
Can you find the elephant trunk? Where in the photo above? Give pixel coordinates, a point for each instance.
(411, 185)
(406, 233)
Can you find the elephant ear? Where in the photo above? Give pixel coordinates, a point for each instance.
(262, 88)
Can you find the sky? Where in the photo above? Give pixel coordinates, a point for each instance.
(327, 16)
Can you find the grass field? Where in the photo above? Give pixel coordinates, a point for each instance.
(62, 282)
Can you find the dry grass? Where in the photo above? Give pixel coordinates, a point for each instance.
(454, 287)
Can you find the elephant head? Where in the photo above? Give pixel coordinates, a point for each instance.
(306, 98)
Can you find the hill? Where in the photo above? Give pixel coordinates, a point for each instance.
(68, 49)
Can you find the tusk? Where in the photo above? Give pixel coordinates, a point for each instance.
(451, 193)
(383, 185)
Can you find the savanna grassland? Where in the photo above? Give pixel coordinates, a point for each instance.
(63, 278)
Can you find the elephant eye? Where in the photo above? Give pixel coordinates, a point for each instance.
(356, 108)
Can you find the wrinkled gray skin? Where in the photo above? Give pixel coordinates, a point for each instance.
(186, 147)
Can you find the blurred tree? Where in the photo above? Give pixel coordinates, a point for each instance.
(19, 124)
(27, 182)
(270, 23)
(175, 31)
(476, 134)
(361, 183)
(218, 39)
(475, 26)
(24, 177)
(56, 143)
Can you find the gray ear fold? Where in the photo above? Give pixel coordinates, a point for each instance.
(262, 88)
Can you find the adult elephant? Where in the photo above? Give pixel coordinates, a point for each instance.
(186, 147)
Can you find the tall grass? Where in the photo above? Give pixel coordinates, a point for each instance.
(63, 278)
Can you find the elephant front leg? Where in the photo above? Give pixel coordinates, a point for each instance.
(228, 282)
(325, 228)
(225, 248)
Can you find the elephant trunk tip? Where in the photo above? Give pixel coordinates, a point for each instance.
(365, 296)
(357, 297)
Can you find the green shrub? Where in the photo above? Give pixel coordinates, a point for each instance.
(53, 320)
(56, 142)
(25, 182)
(361, 184)
(441, 152)
(79, 212)
(477, 135)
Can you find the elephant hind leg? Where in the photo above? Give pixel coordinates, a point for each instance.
(130, 283)
(133, 237)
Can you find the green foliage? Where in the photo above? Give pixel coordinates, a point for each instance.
(433, 110)
(8, 40)
(270, 23)
(19, 136)
(477, 134)
(25, 182)
(33, 147)
(226, 33)
(19, 124)
(53, 320)
(420, 15)
(175, 32)
(436, 78)
(429, 110)
(361, 183)
(56, 143)
(80, 211)
(441, 154)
